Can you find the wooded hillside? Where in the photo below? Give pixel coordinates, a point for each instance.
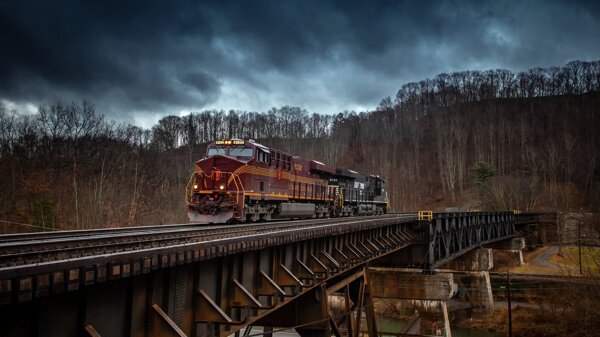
(478, 140)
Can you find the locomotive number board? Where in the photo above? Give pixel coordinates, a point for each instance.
(230, 142)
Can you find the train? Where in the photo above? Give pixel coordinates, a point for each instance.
(243, 181)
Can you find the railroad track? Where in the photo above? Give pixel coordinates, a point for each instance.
(34, 248)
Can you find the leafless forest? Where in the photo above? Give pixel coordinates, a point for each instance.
(478, 140)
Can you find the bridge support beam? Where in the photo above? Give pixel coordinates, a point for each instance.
(426, 293)
(328, 308)
(475, 279)
(316, 310)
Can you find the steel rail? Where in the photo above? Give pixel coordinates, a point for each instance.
(65, 236)
(20, 237)
(37, 251)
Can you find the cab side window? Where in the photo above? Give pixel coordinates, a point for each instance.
(262, 156)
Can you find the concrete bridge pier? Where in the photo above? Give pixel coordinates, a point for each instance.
(510, 251)
(434, 317)
(475, 278)
(426, 293)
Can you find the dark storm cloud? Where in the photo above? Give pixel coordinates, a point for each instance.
(124, 58)
(157, 58)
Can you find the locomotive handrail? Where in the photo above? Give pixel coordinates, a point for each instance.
(340, 196)
(188, 189)
(235, 180)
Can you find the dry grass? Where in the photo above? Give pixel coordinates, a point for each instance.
(568, 263)
(527, 322)
(570, 259)
(530, 268)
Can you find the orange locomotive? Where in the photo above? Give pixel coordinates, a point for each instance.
(245, 181)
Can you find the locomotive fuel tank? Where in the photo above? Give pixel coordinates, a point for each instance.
(295, 210)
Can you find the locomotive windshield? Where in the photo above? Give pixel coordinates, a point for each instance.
(236, 152)
(246, 152)
(216, 151)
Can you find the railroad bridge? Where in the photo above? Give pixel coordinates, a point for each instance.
(318, 276)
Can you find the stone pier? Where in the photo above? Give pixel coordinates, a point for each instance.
(426, 293)
(510, 251)
(475, 278)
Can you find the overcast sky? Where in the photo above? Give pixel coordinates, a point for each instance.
(139, 61)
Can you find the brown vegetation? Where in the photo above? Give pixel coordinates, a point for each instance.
(571, 309)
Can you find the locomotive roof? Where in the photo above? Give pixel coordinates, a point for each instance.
(262, 147)
(348, 174)
(320, 167)
(266, 148)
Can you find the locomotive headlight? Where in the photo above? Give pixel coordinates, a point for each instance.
(222, 187)
(195, 186)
